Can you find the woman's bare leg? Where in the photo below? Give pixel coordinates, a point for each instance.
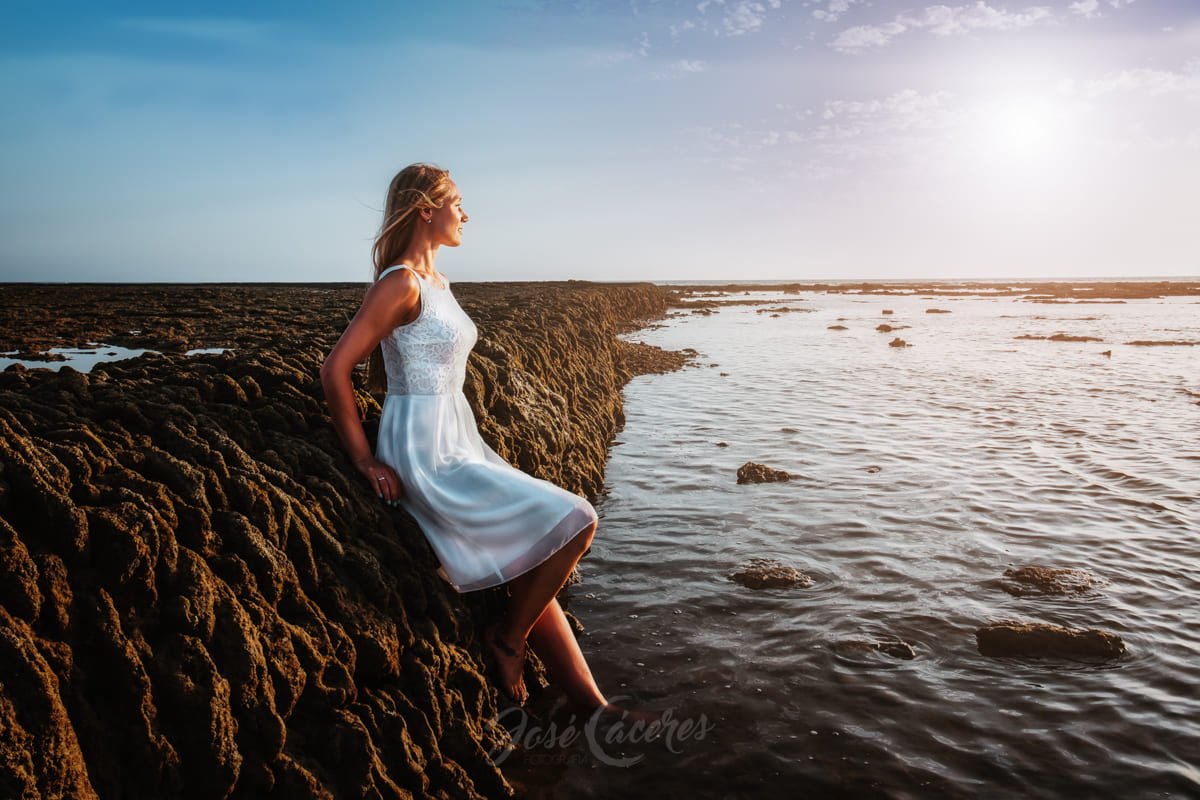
(554, 641)
(551, 635)
(529, 596)
(531, 593)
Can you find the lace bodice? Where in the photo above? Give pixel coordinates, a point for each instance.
(429, 355)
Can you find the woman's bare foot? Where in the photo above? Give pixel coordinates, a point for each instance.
(510, 663)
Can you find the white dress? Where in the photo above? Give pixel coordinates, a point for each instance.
(487, 521)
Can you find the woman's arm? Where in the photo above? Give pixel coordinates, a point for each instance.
(393, 301)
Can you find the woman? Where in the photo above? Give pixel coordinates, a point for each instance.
(488, 522)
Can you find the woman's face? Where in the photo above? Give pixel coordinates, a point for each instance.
(447, 222)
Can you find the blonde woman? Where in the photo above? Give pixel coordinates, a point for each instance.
(487, 522)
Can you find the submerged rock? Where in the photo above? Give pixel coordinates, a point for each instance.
(887, 311)
(898, 342)
(769, 573)
(775, 312)
(837, 327)
(893, 648)
(937, 311)
(760, 473)
(1060, 337)
(1001, 639)
(1035, 580)
(1163, 343)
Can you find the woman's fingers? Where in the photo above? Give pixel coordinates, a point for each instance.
(389, 488)
(383, 479)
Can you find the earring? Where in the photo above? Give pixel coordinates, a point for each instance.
(429, 220)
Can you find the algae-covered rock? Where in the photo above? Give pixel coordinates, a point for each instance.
(1043, 639)
(751, 472)
(769, 573)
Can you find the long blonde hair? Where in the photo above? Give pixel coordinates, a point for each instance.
(415, 188)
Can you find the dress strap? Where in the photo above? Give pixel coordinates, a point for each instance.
(398, 266)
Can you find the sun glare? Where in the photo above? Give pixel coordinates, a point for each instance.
(1016, 131)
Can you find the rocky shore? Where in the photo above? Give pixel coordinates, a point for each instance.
(200, 597)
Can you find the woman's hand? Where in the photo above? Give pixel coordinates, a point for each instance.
(383, 478)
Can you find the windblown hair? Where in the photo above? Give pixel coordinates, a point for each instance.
(415, 188)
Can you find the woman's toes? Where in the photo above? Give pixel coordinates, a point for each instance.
(510, 662)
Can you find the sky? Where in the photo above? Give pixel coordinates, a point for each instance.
(620, 140)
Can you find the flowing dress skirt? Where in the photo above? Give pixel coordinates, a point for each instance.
(486, 521)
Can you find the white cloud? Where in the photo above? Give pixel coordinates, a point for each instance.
(943, 21)
(743, 16)
(1145, 81)
(891, 130)
(736, 17)
(679, 68)
(863, 37)
(908, 103)
(676, 30)
(834, 10)
(1086, 8)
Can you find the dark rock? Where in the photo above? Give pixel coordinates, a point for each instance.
(837, 327)
(893, 648)
(1035, 580)
(1163, 343)
(1001, 639)
(760, 473)
(1060, 337)
(887, 311)
(639, 358)
(898, 342)
(199, 595)
(775, 312)
(937, 311)
(769, 573)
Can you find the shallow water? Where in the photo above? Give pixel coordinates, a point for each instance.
(992, 452)
(82, 359)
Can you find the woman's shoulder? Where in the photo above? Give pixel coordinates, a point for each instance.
(395, 294)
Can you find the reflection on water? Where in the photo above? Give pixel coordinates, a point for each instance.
(923, 473)
(82, 359)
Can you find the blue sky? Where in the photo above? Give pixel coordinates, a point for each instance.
(617, 140)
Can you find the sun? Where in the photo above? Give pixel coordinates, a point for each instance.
(1015, 130)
